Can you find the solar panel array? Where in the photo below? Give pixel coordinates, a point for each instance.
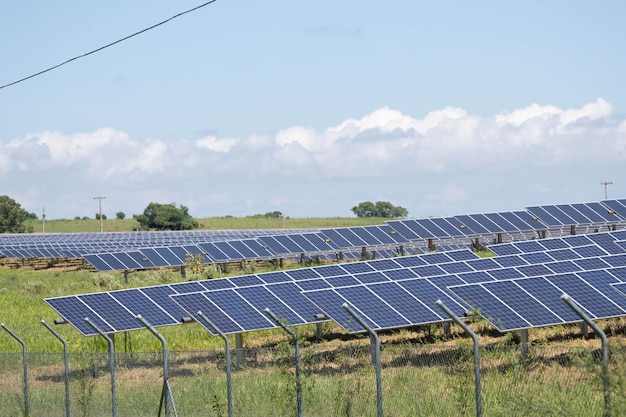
(114, 311)
(142, 250)
(388, 293)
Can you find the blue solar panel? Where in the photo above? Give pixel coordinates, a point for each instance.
(75, 311)
(562, 267)
(428, 270)
(536, 257)
(471, 224)
(529, 246)
(509, 260)
(594, 212)
(483, 264)
(521, 220)
(110, 310)
(401, 228)
(615, 260)
(446, 227)
(531, 310)
(195, 302)
(617, 208)
(545, 217)
(486, 223)
(337, 239)
(505, 273)
(139, 304)
(404, 303)
(473, 277)
(534, 270)
(438, 270)
(398, 274)
(586, 296)
(500, 221)
(432, 229)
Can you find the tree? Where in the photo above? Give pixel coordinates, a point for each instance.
(13, 217)
(273, 215)
(120, 215)
(379, 209)
(166, 217)
(104, 216)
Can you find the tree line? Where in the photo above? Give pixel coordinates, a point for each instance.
(157, 216)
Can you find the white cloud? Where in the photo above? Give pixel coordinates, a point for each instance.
(382, 144)
(216, 145)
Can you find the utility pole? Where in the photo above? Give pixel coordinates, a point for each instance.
(606, 188)
(100, 208)
(43, 220)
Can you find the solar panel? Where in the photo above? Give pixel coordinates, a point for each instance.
(424, 277)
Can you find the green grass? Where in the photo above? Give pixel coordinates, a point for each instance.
(423, 372)
(211, 223)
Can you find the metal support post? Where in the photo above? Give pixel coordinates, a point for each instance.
(523, 336)
(65, 363)
(166, 393)
(479, 398)
(229, 389)
(111, 363)
(375, 341)
(239, 348)
(297, 354)
(24, 361)
(605, 350)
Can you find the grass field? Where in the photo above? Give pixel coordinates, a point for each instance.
(425, 372)
(212, 223)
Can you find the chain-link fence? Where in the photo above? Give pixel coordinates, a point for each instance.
(417, 380)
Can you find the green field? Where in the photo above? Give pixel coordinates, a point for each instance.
(211, 223)
(425, 372)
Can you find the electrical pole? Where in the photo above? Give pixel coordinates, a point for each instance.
(100, 208)
(43, 220)
(606, 188)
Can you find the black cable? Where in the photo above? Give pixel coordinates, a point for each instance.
(106, 46)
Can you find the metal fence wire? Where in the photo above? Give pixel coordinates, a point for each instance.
(417, 380)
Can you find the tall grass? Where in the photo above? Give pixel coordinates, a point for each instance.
(209, 223)
(417, 380)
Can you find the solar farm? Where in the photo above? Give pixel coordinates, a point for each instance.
(369, 281)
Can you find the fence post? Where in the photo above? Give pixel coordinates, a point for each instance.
(375, 341)
(24, 362)
(111, 363)
(65, 363)
(166, 394)
(229, 389)
(605, 350)
(297, 354)
(479, 397)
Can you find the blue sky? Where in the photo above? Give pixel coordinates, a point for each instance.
(309, 108)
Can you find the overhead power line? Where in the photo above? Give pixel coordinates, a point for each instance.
(108, 45)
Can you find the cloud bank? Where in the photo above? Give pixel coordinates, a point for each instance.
(255, 171)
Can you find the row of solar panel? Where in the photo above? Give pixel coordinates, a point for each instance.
(264, 247)
(392, 298)
(412, 282)
(114, 311)
(542, 217)
(536, 218)
(76, 245)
